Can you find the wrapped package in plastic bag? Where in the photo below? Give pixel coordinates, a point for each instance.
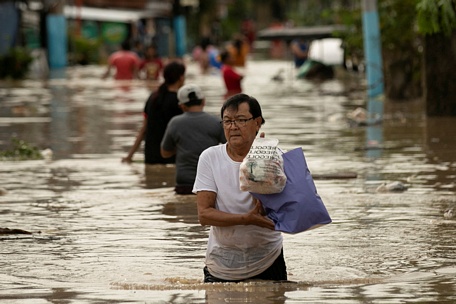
(261, 171)
(298, 207)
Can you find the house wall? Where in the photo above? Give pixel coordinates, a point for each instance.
(9, 23)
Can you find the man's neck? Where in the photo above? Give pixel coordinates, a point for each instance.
(174, 87)
(236, 154)
(194, 109)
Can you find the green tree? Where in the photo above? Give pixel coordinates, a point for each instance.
(310, 12)
(20, 150)
(437, 22)
(418, 47)
(400, 40)
(15, 64)
(436, 16)
(401, 49)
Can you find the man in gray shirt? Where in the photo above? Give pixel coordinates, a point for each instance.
(189, 134)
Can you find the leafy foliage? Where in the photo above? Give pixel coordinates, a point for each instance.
(310, 13)
(353, 37)
(15, 64)
(84, 50)
(436, 16)
(236, 13)
(21, 151)
(400, 41)
(397, 25)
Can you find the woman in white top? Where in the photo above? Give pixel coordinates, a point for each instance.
(242, 241)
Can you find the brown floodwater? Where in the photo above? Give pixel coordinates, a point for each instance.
(107, 232)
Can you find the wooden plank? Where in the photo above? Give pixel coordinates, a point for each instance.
(341, 175)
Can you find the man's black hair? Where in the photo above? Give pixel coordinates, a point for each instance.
(126, 45)
(234, 101)
(224, 55)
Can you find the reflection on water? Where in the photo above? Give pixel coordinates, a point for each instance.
(103, 231)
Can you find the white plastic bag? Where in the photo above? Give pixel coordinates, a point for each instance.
(261, 170)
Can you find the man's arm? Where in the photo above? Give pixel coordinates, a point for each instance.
(168, 142)
(136, 66)
(108, 71)
(137, 144)
(167, 153)
(209, 215)
(297, 51)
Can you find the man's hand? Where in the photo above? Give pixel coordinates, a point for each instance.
(127, 160)
(257, 216)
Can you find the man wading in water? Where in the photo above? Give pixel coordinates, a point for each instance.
(242, 241)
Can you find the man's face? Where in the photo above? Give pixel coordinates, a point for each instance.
(240, 132)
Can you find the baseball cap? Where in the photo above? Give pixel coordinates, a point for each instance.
(189, 92)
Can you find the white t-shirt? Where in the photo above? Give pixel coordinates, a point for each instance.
(235, 252)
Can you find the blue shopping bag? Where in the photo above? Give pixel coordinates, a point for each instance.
(298, 207)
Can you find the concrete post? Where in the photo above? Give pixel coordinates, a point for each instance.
(57, 39)
(373, 58)
(374, 73)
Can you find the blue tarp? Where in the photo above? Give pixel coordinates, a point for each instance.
(298, 207)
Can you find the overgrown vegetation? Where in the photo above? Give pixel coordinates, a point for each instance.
(401, 45)
(21, 150)
(84, 50)
(232, 24)
(436, 16)
(15, 63)
(404, 24)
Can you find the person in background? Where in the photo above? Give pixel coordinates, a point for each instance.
(299, 49)
(152, 65)
(277, 49)
(203, 58)
(125, 62)
(161, 106)
(214, 57)
(188, 135)
(239, 50)
(242, 241)
(248, 30)
(231, 77)
(138, 49)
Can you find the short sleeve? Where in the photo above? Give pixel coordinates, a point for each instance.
(168, 142)
(205, 180)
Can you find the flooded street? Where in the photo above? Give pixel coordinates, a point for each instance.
(107, 232)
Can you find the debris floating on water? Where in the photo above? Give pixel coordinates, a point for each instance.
(3, 191)
(448, 214)
(391, 187)
(13, 231)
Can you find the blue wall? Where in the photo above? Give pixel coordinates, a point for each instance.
(9, 24)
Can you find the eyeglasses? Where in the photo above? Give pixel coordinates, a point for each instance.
(226, 123)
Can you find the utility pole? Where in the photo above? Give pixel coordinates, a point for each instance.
(374, 73)
(56, 30)
(179, 26)
(373, 57)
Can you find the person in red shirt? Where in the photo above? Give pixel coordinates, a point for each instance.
(151, 67)
(231, 78)
(125, 62)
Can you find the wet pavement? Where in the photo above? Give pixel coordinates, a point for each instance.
(107, 232)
